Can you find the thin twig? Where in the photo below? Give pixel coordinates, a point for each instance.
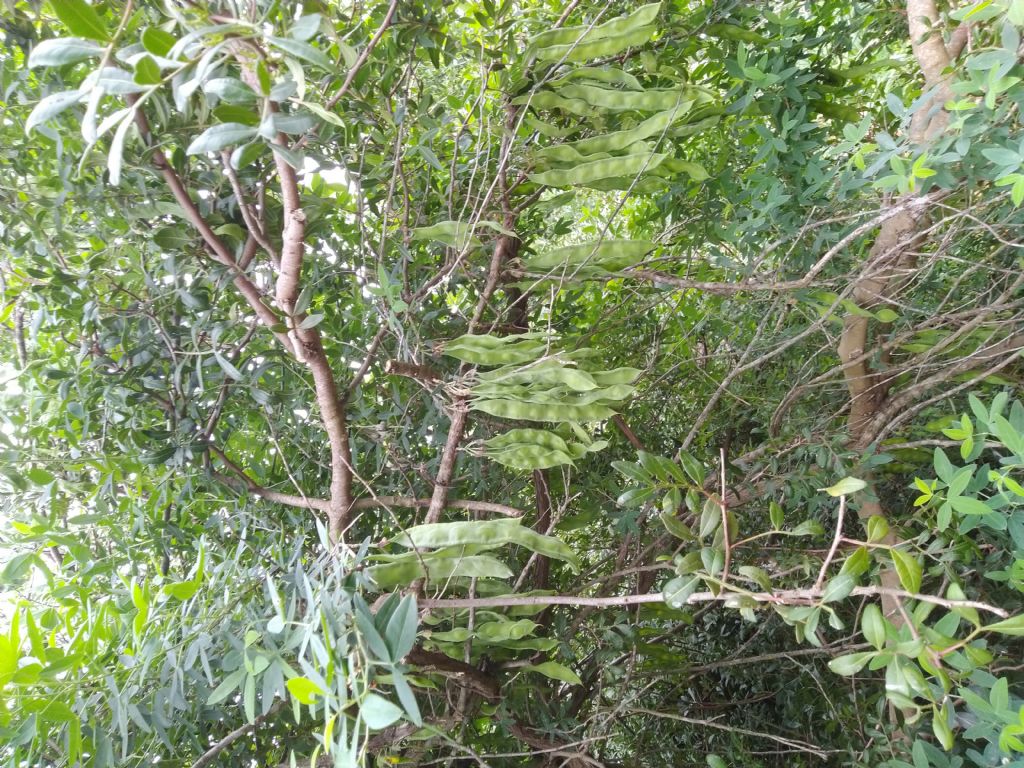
(785, 597)
(835, 545)
(211, 754)
(363, 57)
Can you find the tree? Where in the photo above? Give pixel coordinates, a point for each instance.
(512, 383)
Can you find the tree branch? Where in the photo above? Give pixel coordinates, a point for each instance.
(363, 57)
(213, 752)
(783, 597)
(220, 251)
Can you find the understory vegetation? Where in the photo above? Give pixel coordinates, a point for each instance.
(511, 383)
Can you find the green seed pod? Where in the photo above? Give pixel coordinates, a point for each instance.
(568, 35)
(652, 99)
(545, 372)
(736, 33)
(612, 254)
(619, 140)
(490, 532)
(609, 75)
(584, 174)
(588, 49)
(551, 100)
(525, 411)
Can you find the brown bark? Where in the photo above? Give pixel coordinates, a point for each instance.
(892, 261)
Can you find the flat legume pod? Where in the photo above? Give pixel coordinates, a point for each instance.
(643, 15)
(545, 129)
(589, 49)
(649, 185)
(456, 234)
(436, 535)
(616, 376)
(518, 410)
(674, 167)
(586, 173)
(530, 457)
(403, 573)
(503, 631)
(552, 100)
(618, 252)
(581, 381)
(619, 140)
(609, 75)
(556, 395)
(650, 100)
(542, 437)
(494, 350)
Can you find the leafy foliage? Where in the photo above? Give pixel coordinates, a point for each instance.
(511, 382)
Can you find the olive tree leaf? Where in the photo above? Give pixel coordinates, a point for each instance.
(59, 51)
(377, 712)
(81, 18)
(218, 137)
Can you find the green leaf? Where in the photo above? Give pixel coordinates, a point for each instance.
(556, 672)
(157, 41)
(218, 137)
(676, 527)
(304, 690)
(857, 563)
(968, 506)
(943, 468)
(1013, 626)
(63, 50)
(311, 321)
(776, 515)
(230, 90)
(305, 26)
(872, 624)
(940, 725)
(377, 712)
(80, 18)
(838, 588)
(878, 529)
(301, 50)
(231, 371)
(908, 569)
(147, 71)
(173, 238)
(181, 590)
(369, 632)
(850, 664)
(227, 687)
(249, 698)
(115, 157)
(845, 487)
(758, 575)
(50, 107)
(808, 528)
(999, 696)
(710, 518)
(678, 590)
(1008, 435)
(400, 632)
(406, 697)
